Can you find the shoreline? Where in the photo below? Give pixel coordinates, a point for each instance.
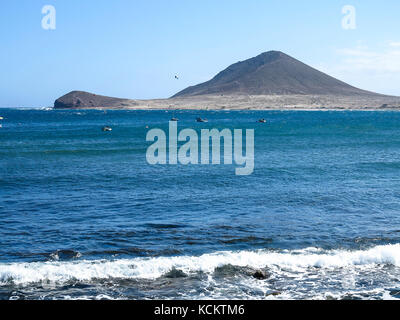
(225, 109)
(394, 109)
(81, 100)
(193, 109)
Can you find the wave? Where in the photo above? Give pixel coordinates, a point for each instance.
(153, 268)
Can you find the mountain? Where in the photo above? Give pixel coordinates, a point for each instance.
(272, 80)
(272, 73)
(81, 99)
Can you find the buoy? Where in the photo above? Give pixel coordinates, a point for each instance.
(201, 120)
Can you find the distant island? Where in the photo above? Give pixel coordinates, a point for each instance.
(272, 80)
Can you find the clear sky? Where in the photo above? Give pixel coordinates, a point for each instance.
(133, 49)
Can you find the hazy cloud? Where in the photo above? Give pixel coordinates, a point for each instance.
(371, 69)
(362, 58)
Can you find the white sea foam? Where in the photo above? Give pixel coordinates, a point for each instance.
(152, 268)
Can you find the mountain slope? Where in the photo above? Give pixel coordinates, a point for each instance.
(81, 99)
(272, 73)
(272, 80)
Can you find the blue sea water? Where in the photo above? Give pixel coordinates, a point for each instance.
(83, 215)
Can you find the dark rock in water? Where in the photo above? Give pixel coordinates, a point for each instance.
(351, 297)
(229, 270)
(175, 273)
(261, 275)
(395, 293)
(273, 293)
(64, 255)
(272, 73)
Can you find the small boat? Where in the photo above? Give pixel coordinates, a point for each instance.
(174, 119)
(106, 129)
(201, 120)
(1, 118)
(262, 121)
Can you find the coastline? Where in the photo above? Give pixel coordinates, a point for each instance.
(215, 110)
(239, 102)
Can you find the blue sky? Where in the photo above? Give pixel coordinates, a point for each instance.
(133, 49)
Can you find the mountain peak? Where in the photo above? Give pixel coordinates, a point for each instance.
(267, 57)
(272, 55)
(271, 73)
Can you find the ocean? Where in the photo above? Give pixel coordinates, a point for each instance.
(84, 216)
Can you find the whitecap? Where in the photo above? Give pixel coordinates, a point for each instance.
(153, 268)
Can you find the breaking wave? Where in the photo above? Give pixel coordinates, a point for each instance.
(153, 268)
